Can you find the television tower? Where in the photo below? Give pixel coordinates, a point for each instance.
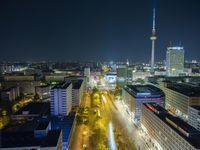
(153, 39)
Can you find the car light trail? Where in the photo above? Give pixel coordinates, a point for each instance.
(103, 98)
(111, 138)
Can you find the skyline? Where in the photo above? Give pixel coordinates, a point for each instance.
(97, 30)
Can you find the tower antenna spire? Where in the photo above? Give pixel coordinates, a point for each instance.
(153, 39)
(154, 19)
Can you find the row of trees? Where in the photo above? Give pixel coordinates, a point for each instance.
(99, 137)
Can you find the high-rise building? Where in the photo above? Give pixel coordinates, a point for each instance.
(175, 61)
(166, 132)
(61, 99)
(134, 95)
(87, 74)
(121, 75)
(153, 39)
(77, 92)
(129, 75)
(194, 116)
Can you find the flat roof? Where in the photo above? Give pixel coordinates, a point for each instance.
(64, 123)
(185, 89)
(27, 139)
(195, 107)
(144, 91)
(42, 125)
(185, 130)
(62, 85)
(10, 88)
(76, 84)
(43, 86)
(40, 108)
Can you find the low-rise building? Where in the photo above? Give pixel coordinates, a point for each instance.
(10, 94)
(40, 138)
(43, 91)
(25, 87)
(13, 77)
(35, 109)
(59, 77)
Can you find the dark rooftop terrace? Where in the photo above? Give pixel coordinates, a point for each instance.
(76, 84)
(144, 90)
(196, 107)
(27, 139)
(185, 89)
(63, 85)
(36, 108)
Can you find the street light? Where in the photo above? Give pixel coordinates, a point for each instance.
(83, 135)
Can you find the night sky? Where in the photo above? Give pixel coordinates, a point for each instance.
(73, 30)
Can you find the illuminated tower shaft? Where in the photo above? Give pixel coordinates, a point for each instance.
(153, 39)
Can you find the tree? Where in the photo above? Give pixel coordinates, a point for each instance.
(101, 147)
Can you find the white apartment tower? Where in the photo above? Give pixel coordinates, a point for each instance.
(61, 99)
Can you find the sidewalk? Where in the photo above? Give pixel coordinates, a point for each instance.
(133, 130)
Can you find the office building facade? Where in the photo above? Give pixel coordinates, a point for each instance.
(121, 75)
(166, 132)
(10, 94)
(179, 96)
(77, 92)
(175, 61)
(194, 116)
(87, 75)
(134, 96)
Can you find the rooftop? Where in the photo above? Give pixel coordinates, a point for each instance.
(196, 107)
(185, 130)
(43, 86)
(185, 89)
(63, 85)
(64, 123)
(27, 139)
(76, 84)
(144, 91)
(175, 48)
(26, 126)
(42, 125)
(35, 108)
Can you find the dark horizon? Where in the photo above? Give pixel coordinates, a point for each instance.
(96, 30)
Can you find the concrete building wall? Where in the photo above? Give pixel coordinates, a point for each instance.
(160, 134)
(194, 117)
(178, 102)
(61, 101)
